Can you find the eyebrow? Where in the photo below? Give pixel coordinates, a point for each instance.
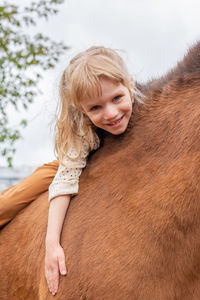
(90, 105)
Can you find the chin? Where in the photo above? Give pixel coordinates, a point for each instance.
(118, 132)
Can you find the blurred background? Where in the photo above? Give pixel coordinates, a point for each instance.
(152, 35)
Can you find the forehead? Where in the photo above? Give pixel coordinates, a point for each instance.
(107, 89)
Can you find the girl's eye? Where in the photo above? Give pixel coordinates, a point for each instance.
(94, 107)
(118, 97)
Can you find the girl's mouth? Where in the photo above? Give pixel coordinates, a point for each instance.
(116, 123)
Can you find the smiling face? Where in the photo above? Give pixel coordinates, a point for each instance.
(111, 110)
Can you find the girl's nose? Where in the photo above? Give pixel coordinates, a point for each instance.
(110, 113)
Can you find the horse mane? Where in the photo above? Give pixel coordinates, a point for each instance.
(189, 64)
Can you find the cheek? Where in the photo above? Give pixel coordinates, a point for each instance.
(95, 119)
(127, 108)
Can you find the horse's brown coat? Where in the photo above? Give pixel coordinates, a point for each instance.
(133, 232)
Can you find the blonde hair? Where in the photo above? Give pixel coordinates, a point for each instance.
(81, 79)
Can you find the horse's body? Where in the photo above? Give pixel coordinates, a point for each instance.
(133, 232)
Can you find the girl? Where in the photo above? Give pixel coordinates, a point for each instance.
(96, 93)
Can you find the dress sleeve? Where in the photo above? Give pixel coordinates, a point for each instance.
(66, 181)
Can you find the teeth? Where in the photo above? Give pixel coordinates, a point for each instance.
(116, 121)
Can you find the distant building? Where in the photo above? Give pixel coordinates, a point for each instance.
(11, 176)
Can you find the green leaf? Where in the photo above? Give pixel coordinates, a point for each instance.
(23, 123)
(23, 60)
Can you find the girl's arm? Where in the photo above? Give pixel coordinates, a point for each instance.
(55, 257)
(65, 182)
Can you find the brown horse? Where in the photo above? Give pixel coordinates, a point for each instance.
(133, 232)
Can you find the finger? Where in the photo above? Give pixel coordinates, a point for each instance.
(53, 287)
(62, 265)
(53, 280)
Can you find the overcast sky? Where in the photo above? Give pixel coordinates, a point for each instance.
(154, 35)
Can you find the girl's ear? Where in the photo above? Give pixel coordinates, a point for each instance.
(132, 82)
(132, 85)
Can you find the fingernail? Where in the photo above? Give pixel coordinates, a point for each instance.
(64, 272)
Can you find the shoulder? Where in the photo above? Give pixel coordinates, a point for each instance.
(90, 142)
(80, 149)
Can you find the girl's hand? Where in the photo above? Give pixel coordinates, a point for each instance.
(54, 265)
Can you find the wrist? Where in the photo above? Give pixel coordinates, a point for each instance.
(51, 242)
